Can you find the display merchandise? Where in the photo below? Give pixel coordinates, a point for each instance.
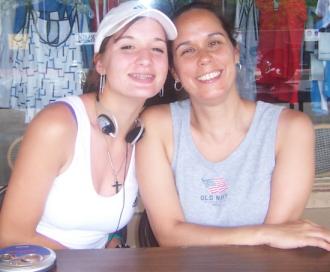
(47, 48)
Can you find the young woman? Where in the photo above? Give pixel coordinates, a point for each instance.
(74, 178)
(216, 169)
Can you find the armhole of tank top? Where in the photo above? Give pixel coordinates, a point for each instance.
(69, 106)
(175, 108)
(277, 119)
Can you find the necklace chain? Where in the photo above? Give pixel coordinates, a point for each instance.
(114, 172)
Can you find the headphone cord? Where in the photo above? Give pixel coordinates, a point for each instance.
(123, 205)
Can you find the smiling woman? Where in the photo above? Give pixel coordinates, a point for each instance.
(217, 169)
(74, 181)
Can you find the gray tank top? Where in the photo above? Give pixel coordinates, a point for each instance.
(234, 191)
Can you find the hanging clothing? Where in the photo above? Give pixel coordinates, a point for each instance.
(49, 64)
(323, 10)
(318, 98)
(279, 54)
(100, 9)
(246, 23)
(320, 87)
(6, 55)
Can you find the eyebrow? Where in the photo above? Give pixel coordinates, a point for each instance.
(132, 38)
(209, 36)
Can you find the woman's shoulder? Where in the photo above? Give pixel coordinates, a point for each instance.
(166, 110)
(52, 131)
(55, 120)
(287, 117)
(158, 123)
(295, 120)
(294, 125)
(156, 114)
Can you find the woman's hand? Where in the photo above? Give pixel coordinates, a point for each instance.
(297, 234)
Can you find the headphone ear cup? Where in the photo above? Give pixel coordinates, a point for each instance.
(135, 134)
(107, 125)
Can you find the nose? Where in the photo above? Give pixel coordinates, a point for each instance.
(204, 57)
(144, 57)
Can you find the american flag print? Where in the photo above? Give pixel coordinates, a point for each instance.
(219, 186)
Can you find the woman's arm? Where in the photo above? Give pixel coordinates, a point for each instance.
(160, 198)
(46, 149)
(293, 175)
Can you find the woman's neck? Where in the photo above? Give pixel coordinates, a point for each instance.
(222, 119)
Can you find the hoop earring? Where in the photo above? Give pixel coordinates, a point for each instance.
(178, 89)
(161, 93)
(239, 66)
(102, 83)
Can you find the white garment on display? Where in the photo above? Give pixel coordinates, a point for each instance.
(6, 59)
(97, 11)
(323, 102)
(246, 23)
(323, 10)
(322, 7)
(50, 64)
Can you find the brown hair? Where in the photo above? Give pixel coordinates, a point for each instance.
(92, 81)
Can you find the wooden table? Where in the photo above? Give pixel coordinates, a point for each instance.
(224, 259)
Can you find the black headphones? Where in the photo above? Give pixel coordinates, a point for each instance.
(109, 127)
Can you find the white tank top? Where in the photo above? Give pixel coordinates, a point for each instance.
(75, 215)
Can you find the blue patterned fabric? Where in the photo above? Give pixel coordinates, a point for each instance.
(48, 62)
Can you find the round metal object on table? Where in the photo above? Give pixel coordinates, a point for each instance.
(29, 258)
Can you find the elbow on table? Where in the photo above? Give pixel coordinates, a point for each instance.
(5, 239)
(168, 242)
(170, 238)
(173, 241)
(9, 237)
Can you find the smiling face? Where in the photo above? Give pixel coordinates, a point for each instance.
(135, 60)
(204, 57)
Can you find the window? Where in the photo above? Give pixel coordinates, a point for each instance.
(47, 48)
